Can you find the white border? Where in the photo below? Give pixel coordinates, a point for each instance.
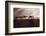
(17, 5)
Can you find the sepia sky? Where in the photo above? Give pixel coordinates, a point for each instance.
(27, 12)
